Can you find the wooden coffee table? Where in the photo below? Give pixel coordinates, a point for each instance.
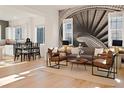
(78, 61)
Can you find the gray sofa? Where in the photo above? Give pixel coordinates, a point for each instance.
(88, 54)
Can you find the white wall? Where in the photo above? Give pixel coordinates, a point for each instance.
(28, 24)
(52, 31)
(50, 21)
(0, 32)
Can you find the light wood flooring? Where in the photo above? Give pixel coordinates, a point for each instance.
(29, 75)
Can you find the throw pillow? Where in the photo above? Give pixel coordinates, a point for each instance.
(98, 51)
(51, 53)
(68, 49)
(55, 50)
(112, 49)
(62, 49)
(75, 50)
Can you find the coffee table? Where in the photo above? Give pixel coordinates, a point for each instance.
(78, 61)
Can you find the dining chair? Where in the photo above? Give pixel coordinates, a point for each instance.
(17, 52)
(36, 50)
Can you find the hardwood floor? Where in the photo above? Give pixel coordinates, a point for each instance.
(30, 75)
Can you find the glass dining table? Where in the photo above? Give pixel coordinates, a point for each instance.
(24, 51)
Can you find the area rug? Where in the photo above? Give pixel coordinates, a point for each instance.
(80, 73)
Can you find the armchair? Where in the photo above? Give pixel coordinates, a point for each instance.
(55, 58)
(106, 63)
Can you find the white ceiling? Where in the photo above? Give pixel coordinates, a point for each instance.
(52, 7)
(19, 11)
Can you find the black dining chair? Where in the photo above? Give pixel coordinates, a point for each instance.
(36, 50)
(17, 51)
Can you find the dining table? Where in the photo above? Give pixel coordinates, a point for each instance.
(25, 50)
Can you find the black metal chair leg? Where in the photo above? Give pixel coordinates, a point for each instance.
(58, 65)
(92, 68)
(14, 58)
(66, 63)
(17, 57)
(29, 57)
(50, 62)
(108, 72)
(85, 66)
(71, 66)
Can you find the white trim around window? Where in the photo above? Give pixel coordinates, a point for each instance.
(68, 30)
(39, 34)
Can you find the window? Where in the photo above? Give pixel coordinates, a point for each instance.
(18, 33)
(116, 26)
(40, 34)
(68, 30)
(116, 22)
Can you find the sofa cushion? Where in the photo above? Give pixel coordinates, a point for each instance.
(88, 51)
(72, 56)
(89, 57)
